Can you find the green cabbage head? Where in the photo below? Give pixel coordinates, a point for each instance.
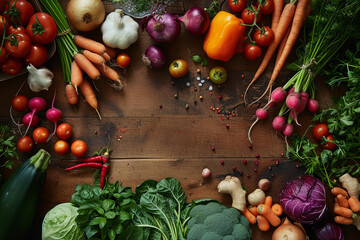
(59, 223)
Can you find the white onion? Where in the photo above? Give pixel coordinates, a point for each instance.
(289, 231)
(85, 15)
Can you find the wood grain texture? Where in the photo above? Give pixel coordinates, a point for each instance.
(153, 142)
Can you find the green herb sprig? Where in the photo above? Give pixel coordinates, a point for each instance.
(7, 148)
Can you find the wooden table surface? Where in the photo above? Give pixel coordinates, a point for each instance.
(153, 142)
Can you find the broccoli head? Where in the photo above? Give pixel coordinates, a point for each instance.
(215, 221)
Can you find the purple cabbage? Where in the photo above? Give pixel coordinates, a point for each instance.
(328, 231)
(304, 199)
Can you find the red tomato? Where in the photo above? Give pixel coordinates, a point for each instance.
(237, 5)
(267, 7)
(2, 21)
(42, 28)
(329, 145)
(19, 103)
(25, 144)
(19, 10)
(61, 147)
(248, 15)
(64, 131)
(16, 29)
(79, 148)
(40, 135)
(320, 130)
(12, 66)
(252, 52)
(3, 56)
(18, 45)
(123, 60)
(178, 68)
(264, 36)
(37, 56)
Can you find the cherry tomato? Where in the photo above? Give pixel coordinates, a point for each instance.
(42, 28)
(37, 56)
(25, 144)
(248, 15)
(123, 60)
(18, 45)
(3, 56)
(12, 66)
(264, 36)
(320, 130)
(40, 135)
(64, 131)
(237, 5)
(178, 68)
(218, 75)
(16, 29)
(61, 147)
(19, 10)
(79, 148)
(2, 21)
(252, 52)
(267, 7)
(329, 145)
(19, 103)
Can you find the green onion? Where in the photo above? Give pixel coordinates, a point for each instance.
(64, 41)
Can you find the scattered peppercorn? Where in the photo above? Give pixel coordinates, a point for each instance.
(250, 146)
(211, 93)
(227, 116)
(172, 82)
(187, 106)
(256, 162)
(255, 170)
(220, 96)
(208, 78)
(160, 106)
(227, 126)
(223, 119)
(222, 162)
(248, 175)
(213, 148)
(272, 175)
(198, 70)
(234, 168)
(242, 75)
(242, 95)
(218, 111)
(201, 97)
(175, 95)
(277, 162)
(257, 155)
(96, 132)
(233, 114)
(244, 161)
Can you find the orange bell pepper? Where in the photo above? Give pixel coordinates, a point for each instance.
(225, 34)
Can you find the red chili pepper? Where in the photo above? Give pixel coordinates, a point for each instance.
(104, 158)
(104, 170)
(92, 159)
(87, 164)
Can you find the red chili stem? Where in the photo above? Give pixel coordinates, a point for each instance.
(92, 159)
(104, 170)
(105, 158)
(87, 164)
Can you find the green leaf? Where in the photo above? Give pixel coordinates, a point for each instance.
(124, 216)
(118, 227)
(132, 233)
(111, 234)
(96, 221)
(102, 223)
(110, 215)
(171, 187)
(196, 58)
(143, 188)
(108, 204)
(100, 210)
(9, 164)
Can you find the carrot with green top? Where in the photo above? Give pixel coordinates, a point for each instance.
(86, 66)
(336, 190)
(342, 211)
(278, 8)
(354, 204)
(250, 217)
(265, 210)
(253, 210)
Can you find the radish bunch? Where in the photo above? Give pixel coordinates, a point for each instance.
(295, 102)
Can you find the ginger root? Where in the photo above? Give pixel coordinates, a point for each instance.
(351, 184)
(256, 197)
(232, 185)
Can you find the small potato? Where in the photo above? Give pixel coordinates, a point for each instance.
(264, 184)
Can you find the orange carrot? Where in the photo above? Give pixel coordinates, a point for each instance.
(265, 210)
(76, 76)
(253, 210)
(110, 51)
(343, 220)
(268, 201)
(89, 95)
(263, 223)
(284, 22)
(71, 94)
(296, 26)
(94, 57)
(336, 190)
(89, 44)
(278, 7)
(109, 72)
(344, 212)
(106, 56)
(86, 66)
(249, 216)
(277, 209)
(343, 202)
(354, 204)
(282, 45)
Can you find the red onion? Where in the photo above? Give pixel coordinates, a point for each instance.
(196, 20)
(163, 28)
(154, 57)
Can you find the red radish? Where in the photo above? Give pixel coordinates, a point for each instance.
(53, 115)
(27, 120)
(291, 90)
(303, 103)
(36, 104)
(313, 105)
(206, 173)
(288, 130)
(293, 100)
(278, 95)
(261, 113)
(279, 123)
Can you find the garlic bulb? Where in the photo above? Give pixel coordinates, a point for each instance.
(39, 79)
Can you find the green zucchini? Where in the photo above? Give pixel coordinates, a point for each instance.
(19, 196)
